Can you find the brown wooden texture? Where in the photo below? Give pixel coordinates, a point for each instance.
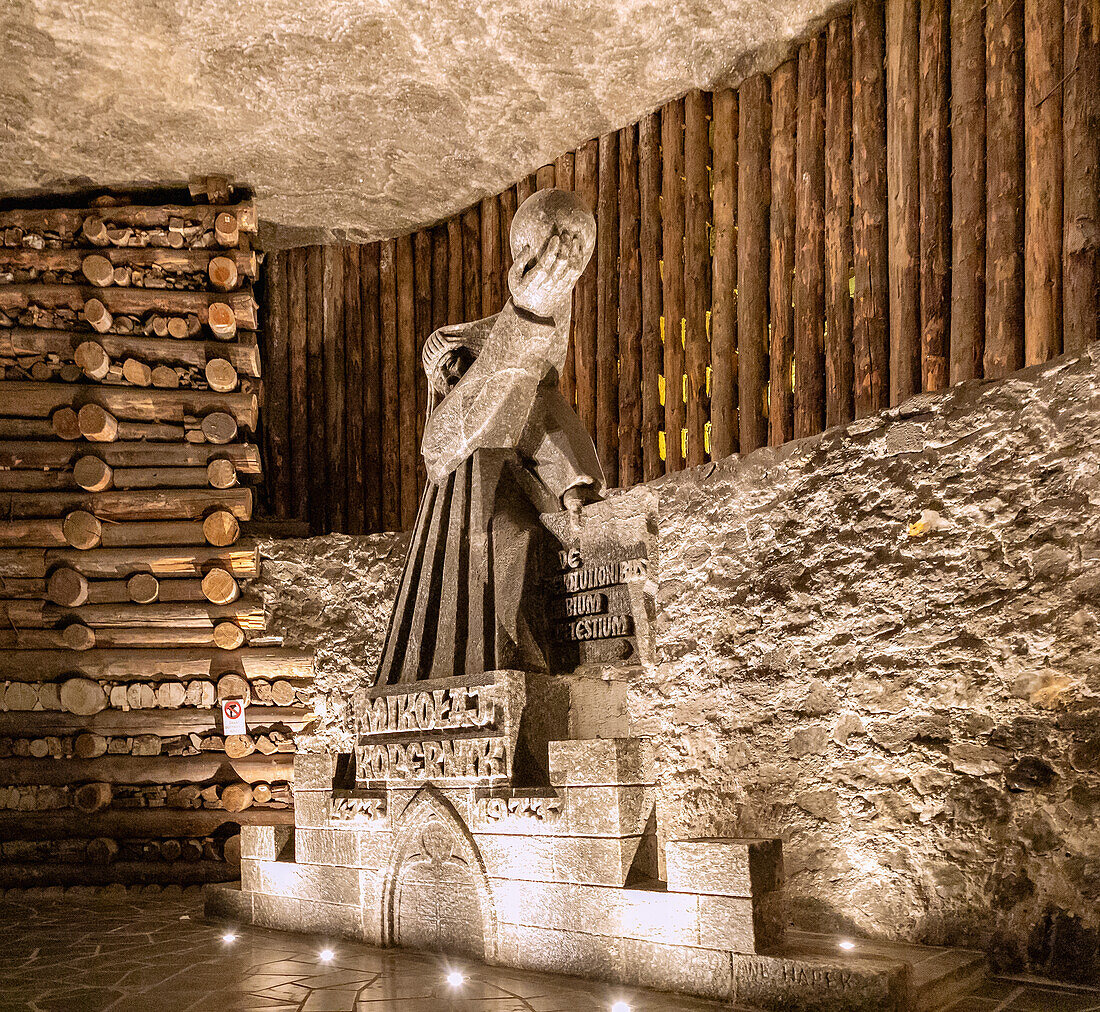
(809, 254)
(372, 385)
(408, 447)
(391, 435)
(1004, 221)
(967, 118)
(1043, 33)
(316, 388)
(607, 308)
(298, 397)
(564, 169)
(492, 262)
(335, 386)
(353, 396)
(672, 273)
(697, 214)
(471, 263)
(839, 403)
(276, 422)
(781, 285)
(584, 300)
(1081, 180)
(934, 194)
(649, 237)
(723, 324)
(456, 311)
(870, 306)
(753, 200)
(903, 189)
(422, 256)
(630, 313)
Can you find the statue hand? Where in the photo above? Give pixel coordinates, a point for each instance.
(542, 282)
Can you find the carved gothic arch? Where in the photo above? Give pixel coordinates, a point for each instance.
(427, 806)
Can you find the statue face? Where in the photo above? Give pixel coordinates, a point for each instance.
(547, 213)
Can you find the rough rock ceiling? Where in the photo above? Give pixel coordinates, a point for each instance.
(351, 117)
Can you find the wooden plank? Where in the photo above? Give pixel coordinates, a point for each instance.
(456, 305)
(242, 560)
(723, 324)
(333, 361)
(440, 270)
(697, 213)
(507, 206)
(839, 393)
(649, 186)
(15, 298)
(315, 385)
(544, 177)
(67, 221)
(753, 266)
(564, 179)
(492, 263)
(781, 285)
(372, 386)
(34, 455)
(49, 533)
(1004, 187)
(177, 261)
(934, 194)
(242, 353)
(422, 260)
(139, 404)
(1043, 33)
(471, 262)
(130, 722)
(1081, 183)
(630, 313)
(408, 448)
(134, 823)
(672, 275)
(903, 192)
(607, 308)
(297, 392)
(870, 306)
(967, 310)
(524, 188)
(353, 390)
(140, 504)
(206, 768)
(809, 254)
(586, 165)
(248, 613)
(276, 419)
(111, 637)
(186, 664)
(391, 431)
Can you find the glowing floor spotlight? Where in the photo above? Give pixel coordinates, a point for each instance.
(325, 955)
(455, 978)
(620, 1006)
(229, 937)
(846, 945)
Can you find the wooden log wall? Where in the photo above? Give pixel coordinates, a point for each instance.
(129, 467)
(910, 199)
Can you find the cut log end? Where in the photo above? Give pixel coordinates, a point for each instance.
(221, 473)
(222, 273)
(165, 377)
(236, 797)
(228, 636)
(82, 696)
(77, 636)
(67, 588)
(137, 373)
(65, 424)
(221, 528)
(226, 229)
(221, 376)
(97, 315)
(92, 474)
(143, 588)
(222, 322)
(92, 359)
(219, 587)
(95, 797)
(98, 270)
(83, 530)
(97, 424)
(177, 327)
(219, 427)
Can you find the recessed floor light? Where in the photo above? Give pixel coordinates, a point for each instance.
(455, 979)
(846, 944)
(325, 955)
(229, 937)
(620, 1006)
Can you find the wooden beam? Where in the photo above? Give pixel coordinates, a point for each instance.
(584, 323)
(39, 723)
(134, 823)
(781, 288)
(672, 273)
(1004, 221)
(649, 186)
(407, 368)
(390, 374)
(208, 768)
(353, 386)
(471, 262)
(67, 221)
(333, 364)
(723, 325)
(243, 353)
(630, 313)
(839, 390)
(809, 252)
(1043, 36)
(967, 311)
(697, 214)
(315, 387)
(276, 417)
(298, 396)
(155, 663)
(753, 201)
(607, 308)
(62, 455)
(492, 262)
(372, 387)
(1081, 167)
(139, 504)
(181, 261)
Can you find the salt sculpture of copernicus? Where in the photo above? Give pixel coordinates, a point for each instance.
(501, 444)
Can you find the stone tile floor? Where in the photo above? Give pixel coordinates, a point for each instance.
(142, 953)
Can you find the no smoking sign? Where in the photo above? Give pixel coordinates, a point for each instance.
(233, 721)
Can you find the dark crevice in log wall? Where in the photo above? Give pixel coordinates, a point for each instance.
(910, 199)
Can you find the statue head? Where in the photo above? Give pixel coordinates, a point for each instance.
(547, 213)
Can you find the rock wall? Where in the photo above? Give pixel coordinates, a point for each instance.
(879, 644)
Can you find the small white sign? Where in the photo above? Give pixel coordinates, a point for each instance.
(233, 721)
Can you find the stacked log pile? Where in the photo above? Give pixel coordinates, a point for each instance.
(129, 406)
